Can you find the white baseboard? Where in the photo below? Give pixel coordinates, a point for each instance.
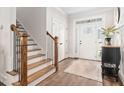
(121, 76)
(3, 79)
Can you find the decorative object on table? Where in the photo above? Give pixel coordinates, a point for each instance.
(110, 61)
(108, 41)
(109, 32)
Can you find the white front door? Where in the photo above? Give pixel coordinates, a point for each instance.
(88, 40)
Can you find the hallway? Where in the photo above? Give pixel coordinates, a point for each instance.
(64, 79)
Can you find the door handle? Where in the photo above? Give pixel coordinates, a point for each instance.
(80, 43)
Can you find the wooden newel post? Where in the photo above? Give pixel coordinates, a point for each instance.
(56, 53)
(23, 69)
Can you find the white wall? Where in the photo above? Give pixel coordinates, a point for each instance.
(7, 17)
(59, 15)
(34, 20)
(121, 73)
(106, 13)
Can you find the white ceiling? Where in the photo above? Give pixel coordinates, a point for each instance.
(73, 10)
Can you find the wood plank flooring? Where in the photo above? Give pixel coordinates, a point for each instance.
(64, 79)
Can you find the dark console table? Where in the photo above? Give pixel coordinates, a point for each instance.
(110, 60)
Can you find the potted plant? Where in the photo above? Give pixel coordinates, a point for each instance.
(109, 32)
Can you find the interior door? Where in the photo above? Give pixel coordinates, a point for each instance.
(50, 42)
(87, 41)
(58, 30)
(61, 41)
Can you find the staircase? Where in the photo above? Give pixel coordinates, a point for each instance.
(30, 66)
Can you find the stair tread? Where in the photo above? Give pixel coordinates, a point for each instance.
(28, 35)
(18, 24)
(13, 73)
(39, 73)
(33, 65)
(22, 31)
(17, 21)
(36, 75)
(31, 50)
(29, 44)
(35, 56)
(18, 27)
(28, 39)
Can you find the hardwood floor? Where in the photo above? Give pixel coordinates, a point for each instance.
(64, 79)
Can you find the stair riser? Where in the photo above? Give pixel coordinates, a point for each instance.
(29, 37)
(42, 78)
(20, 26)
(31, 42)
(31, 71)
(34, 60)
(20, 29)
(34, 53)
(32, 47)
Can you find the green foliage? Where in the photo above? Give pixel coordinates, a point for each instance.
(109, 31)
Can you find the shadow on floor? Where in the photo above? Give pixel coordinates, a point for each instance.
(1, 84)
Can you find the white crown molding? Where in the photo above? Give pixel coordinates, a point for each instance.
(59, 9)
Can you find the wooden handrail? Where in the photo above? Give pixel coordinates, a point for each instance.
(50, 36)
(13, 28)
(55, 39)
(23, 51)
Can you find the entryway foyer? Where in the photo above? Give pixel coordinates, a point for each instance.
(57, 46)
